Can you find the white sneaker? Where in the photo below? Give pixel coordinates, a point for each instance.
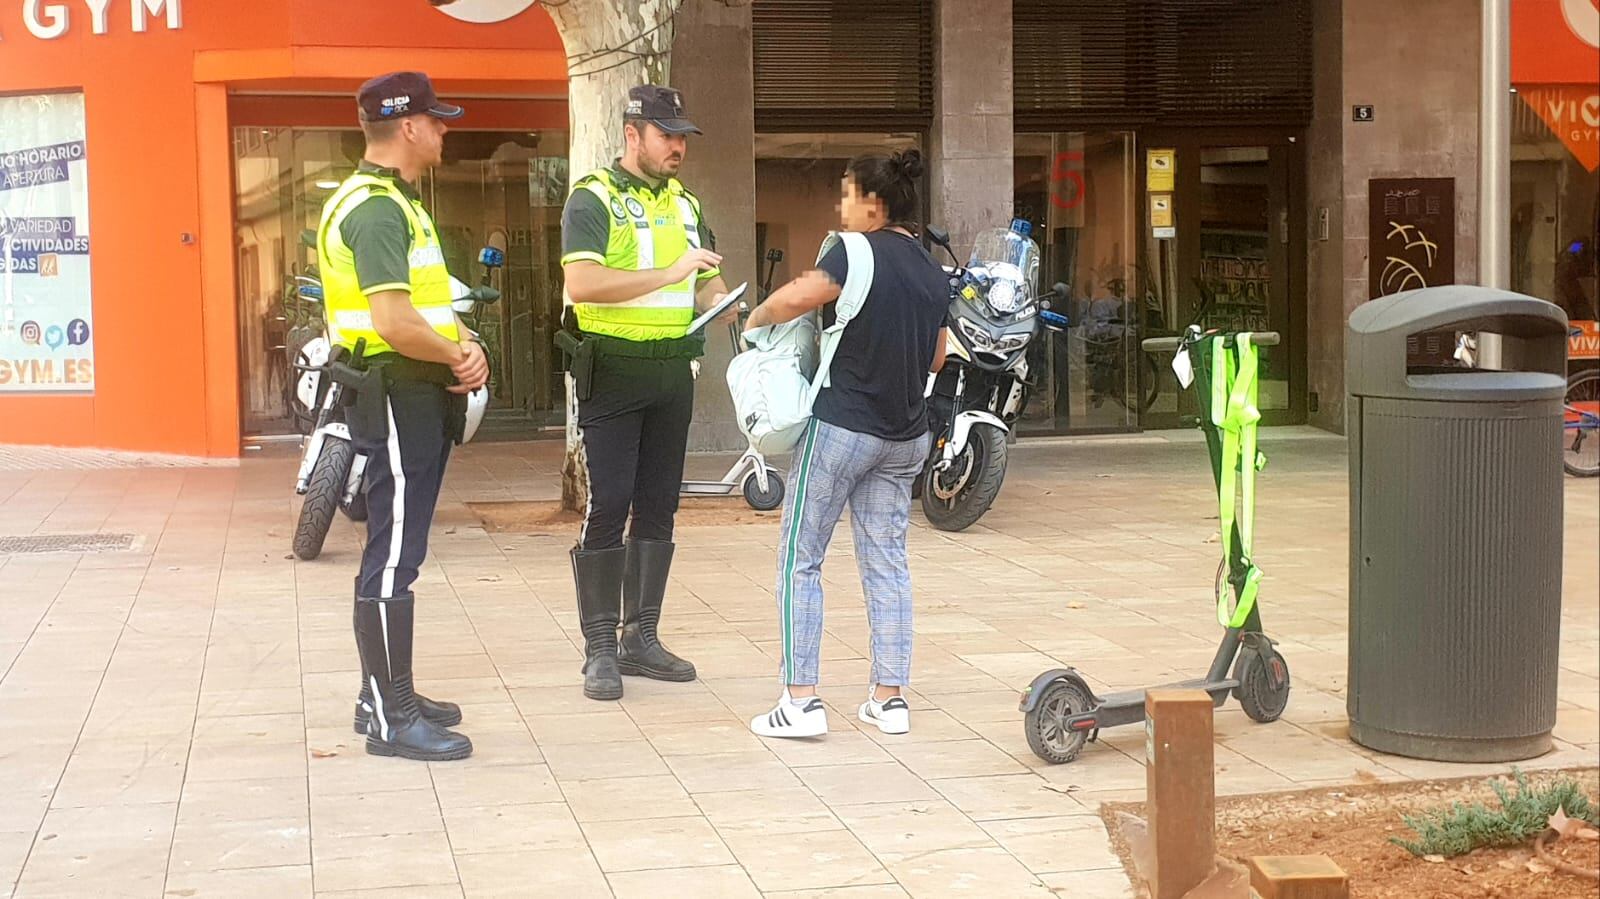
(892, 715)
(792, 718)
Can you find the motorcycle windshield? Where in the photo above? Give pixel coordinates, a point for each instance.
(1009, 264)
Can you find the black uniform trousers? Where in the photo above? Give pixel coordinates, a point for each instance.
(405, 469)
(635, 431)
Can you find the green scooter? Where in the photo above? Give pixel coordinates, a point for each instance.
(1061, 713)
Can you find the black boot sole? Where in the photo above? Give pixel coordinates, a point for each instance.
(634, 670)
(605, 695)
(391, 750)
(361, 717)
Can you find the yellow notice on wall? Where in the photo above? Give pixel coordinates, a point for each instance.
(1161, 226)
(1159, 174)
(1161, 210)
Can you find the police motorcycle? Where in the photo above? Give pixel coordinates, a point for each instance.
(996, 312)
(331, 470)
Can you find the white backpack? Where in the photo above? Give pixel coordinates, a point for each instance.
(776, 382)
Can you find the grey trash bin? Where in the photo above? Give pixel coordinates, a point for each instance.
(1455, 523)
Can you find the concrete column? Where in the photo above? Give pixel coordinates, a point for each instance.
(1425, 100)
(1325, 312)
(712, 65)
(971, 150)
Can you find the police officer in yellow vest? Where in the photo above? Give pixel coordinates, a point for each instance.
(639, 260)
(387, 292)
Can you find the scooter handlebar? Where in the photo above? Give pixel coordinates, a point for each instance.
(1171, 344)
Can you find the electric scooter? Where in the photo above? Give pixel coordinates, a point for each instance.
(1061, 712)
(760, 483)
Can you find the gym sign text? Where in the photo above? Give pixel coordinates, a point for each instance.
(48, 20)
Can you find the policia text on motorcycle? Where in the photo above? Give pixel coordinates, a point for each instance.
(639, 259)
(407, 364)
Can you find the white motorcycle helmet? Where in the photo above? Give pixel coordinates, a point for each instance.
(477, 403)
(477, 400)
(314, 353)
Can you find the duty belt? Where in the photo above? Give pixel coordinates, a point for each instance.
(396, 367)
(583, 348)
(690, 347)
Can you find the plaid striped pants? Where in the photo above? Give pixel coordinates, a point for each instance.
(833, 467)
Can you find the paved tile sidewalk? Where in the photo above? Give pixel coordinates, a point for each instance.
(179, 713)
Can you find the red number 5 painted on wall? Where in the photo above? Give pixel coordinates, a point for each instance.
(1072, 174)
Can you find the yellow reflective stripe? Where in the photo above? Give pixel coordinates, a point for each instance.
(423, 257)
(668, 297)
(643, 314)
(380, 288)
(583, 256)
(691, 221)
(361, 320)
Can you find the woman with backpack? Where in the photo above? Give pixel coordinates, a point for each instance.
(865, 446)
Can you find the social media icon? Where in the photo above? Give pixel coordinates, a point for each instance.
(54, 337)
(77, 332)
(30, 333)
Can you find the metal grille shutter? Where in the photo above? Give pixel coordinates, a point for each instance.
(1083, 62)
(835, 65)
(1236, 62)
(1169, 62)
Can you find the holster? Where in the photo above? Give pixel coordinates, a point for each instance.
(580, 362)
(366, 385)
(365, 396)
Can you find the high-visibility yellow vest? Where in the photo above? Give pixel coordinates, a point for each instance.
(349, 313)
(649, 230)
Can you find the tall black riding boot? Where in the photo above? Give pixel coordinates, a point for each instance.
(444, 714)
(643, 589)
(396, 726)
(598, 575)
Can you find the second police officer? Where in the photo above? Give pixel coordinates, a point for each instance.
(639, 260)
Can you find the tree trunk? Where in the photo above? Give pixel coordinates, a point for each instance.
(611, 46)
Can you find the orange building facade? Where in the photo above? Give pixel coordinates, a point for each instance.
(128, 335)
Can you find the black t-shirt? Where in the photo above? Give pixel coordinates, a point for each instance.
(880, 370)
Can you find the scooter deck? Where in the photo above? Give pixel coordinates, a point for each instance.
(709, 488)
(1127, 707)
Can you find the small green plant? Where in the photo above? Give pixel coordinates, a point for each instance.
(1521, 817)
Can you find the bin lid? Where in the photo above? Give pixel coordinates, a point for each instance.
(1376, 345)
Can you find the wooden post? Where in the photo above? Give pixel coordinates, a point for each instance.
(1180, 789)
(1298, 877)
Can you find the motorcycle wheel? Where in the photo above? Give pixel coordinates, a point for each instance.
(328, 478)
(988, 446)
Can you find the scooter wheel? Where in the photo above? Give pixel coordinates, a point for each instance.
(1048, 734)
(1263, 689)
(764, 501)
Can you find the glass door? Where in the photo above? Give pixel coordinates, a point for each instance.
(496, 188)
(506, 190)
(1223, 249)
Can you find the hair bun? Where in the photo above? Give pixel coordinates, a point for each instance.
(910, 164)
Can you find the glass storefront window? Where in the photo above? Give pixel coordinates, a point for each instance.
(501, 189)
(797, 191)
(1078, 190)
(1555, 196)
